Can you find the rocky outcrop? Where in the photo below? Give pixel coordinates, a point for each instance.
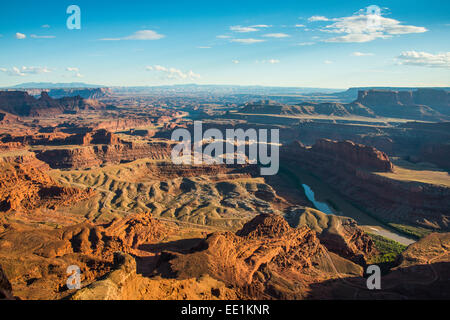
(307, 108)
(86, 93)
(5, 286)
(423, 273)
(419, 104)
(340, 235)
(392, 201)
(436, 153)
(95, 155)
(35, 259)
(354, 154)
(7, 118)
(24, 185)
(266, 259)
(22, 104)
(123, 283)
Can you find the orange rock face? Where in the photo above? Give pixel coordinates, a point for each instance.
(354, 154)
(266, 259)
(35, 259)
(25, 185)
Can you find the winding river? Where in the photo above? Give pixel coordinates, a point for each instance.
(328, 201)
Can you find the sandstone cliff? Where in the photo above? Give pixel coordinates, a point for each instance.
(25, 185)
(393, 201)
(340, 235)
(22, 104)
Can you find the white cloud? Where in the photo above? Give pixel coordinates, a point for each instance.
(75, 72)
(235, 61)
(362, 27)
(46, 26)
(318, 18)
(139, 35)
(328, 62)
(223, 36)
(173, 73)
(253, 28)
(276, 35)
(247, 41)
(41, 37)
(361, 54)
(424, 59)
(271, 61)
(305, 43)
(243, 29)
(160, 68)
(24, 71)
(203, 47)
(299, 25)
(20, 35)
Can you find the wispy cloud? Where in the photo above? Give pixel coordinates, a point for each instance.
(247, 41)
(235, 61)
(24, 71)
(362, 54)
(318, 18)
(222, 36)
(203, 47)
(45, 26)
(270, 61)
(253, 28)
(306, 43)
(425, 59)
(20, 36)
(173, 73)
(139, 35)
(74, 72)
(243, 29)
(328, 62)
(261, 26)
(276, 35)
(41, 37)
(299, 26)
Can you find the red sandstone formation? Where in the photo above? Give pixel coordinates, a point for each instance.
(22, 104)
(394, 201)
(89, 156)
(354, 154)
(24, 185)
(34, 260)
(266, 259)
(340, 235)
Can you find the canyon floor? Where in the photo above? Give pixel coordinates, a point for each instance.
(91, 183)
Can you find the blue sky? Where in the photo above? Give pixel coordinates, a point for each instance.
(277, 43)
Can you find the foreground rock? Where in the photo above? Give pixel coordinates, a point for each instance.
(423, 273)
(24, 184)
(35, 259)
(340, 235)
(266, 259)
(125, 284)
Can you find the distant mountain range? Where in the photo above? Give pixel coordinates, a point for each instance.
(421, 104)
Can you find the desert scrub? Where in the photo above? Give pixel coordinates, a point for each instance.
(415, 232)
(388, 250)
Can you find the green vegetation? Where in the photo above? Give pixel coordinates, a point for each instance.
(388, 250)
(415, 232)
